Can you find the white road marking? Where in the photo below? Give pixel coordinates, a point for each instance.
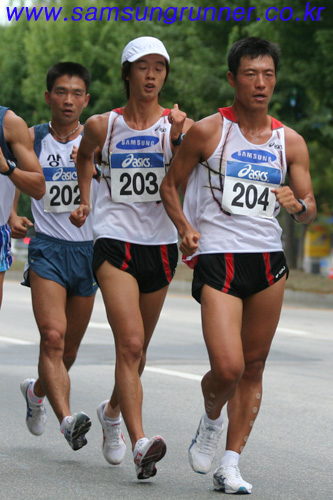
(16, 341)
(292, 332)
(106, 326)
(173, 373)
(102, 326)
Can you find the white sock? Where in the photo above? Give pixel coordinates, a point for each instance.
(62, 426)
(32, 396)
(116, 420)
(218, 422)
(230, 458)
(113, 420)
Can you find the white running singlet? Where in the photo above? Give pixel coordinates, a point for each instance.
(62, 196)
(134, 162)
(7, 188)
(228, 198)
(7, 194)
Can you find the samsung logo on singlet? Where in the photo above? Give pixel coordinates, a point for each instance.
(254, 155)
(139, 142)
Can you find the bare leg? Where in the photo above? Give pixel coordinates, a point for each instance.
(259, 326)
(51, 307)
(78, 314)
(221, 322)
(132, 317)
(150, 306)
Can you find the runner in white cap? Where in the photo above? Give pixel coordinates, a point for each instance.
(237, 160)
(135, 251)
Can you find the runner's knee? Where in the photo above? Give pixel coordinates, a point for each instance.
(254, 370)
(52, 341)
(131, 351)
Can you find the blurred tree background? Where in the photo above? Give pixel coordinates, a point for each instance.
(197, 82)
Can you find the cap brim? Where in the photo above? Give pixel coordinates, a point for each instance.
(136, 57)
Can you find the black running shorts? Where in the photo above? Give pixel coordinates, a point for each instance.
(153, 266)
(239, 274)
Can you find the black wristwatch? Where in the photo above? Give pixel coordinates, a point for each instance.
(304, 207)
(12, 165)
(178, 141)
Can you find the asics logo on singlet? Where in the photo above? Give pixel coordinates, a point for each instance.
(70, 175)
(132, 161)
(254, 156)
(274, 145)
(255, 175)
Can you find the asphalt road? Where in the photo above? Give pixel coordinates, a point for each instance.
(289, 455)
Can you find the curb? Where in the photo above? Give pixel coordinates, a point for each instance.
(308, 299)
(291, 297)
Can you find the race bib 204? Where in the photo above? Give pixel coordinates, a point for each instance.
(136, 177)
(247, 189)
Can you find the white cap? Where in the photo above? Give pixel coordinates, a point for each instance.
(143, 46)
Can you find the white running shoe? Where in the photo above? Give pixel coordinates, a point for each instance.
(113, 445)
(228, 479)
(75, 428)
(36, 412)
(146, 453)
(202, 450)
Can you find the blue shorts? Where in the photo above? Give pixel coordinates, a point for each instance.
(6, 257)
(153, 266)
(238, 274)
(68, 263)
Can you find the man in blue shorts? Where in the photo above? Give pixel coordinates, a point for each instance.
(15, 151)
(237, 160)
(60, 274)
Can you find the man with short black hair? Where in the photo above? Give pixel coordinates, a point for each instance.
(135, 251)
(237, 160)
(60, 274)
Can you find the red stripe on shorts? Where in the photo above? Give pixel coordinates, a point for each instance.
(127, 257)
(230, 268)
(165, 260)
(269, 276)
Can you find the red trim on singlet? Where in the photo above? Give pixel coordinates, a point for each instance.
(230, 270)
(269, 276)
(127, 257)
(165, 260)
(229, 114)
(276, 124)
(166, 112)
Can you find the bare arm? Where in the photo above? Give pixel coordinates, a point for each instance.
(18, 225)
(94, 135)
(29, 176)
(299, 180)
(179, 124)
(189, 154)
